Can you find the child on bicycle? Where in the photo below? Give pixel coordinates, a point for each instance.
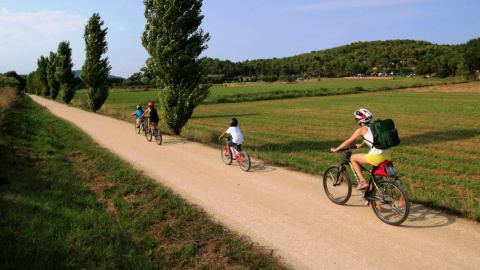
(237, 136)
(374, 157)
(153, 118)
(138, 113)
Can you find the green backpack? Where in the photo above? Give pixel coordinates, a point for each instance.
(385, 135)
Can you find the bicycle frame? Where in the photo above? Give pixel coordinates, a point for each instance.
(236, 154)
(348, 162)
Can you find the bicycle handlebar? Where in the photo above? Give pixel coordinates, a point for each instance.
(347, 149)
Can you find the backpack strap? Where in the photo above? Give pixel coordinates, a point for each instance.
(369, 125)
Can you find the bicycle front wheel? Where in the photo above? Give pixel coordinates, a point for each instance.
(337, 184)
(158, 136)
(390, 203)
(149, 134)
(225, 157)
(244, 161)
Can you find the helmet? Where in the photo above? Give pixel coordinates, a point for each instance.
(150, 104)
(363, 115)
(139, 107)
(233, 122)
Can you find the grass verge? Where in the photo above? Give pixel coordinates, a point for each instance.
(67, 203)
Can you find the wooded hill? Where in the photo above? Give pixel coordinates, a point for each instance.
(365, 58)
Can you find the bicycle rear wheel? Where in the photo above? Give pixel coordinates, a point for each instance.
(137, 127)
(149, 134)
(244, 161)
(390, 203)
(225, 157)
(337, 184)
(158, 136)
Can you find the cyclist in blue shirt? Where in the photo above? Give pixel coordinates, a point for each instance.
(138, 113)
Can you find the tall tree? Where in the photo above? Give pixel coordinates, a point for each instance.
(30, 84)
(51, 69)
(42, 63)
(174, 41)
(64, 73)
(471, 55)
(95, 70)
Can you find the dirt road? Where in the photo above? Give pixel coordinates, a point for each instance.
(287, 211)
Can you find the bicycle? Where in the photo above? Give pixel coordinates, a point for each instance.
(140, 127)
(154, 132)
(384, 195)
(242, 157)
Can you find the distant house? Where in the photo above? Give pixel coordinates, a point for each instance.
(215, 75)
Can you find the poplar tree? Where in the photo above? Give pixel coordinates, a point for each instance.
(174, 41)
(64, 73)
(42, 63)
(95, 69)
(51, 69)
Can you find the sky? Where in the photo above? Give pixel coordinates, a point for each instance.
(239, 29)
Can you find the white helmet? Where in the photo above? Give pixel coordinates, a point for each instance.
(363, 115)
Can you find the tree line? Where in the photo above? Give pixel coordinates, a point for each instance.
(54, 76)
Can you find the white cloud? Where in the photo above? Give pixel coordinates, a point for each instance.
(44, 22)
(343, 4)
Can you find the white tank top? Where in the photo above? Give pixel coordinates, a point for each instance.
(368, 138)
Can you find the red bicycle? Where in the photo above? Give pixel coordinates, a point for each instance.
(242, 157)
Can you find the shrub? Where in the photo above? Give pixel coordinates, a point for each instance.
(8, 99)
(9, 82)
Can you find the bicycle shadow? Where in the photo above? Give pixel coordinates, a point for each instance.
(171, 142)
(262, 167)
(421, 217)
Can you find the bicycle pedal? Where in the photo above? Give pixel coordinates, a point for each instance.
(365, 201)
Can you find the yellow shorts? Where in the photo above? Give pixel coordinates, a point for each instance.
(377, 159)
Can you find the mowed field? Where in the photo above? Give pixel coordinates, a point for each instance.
(438, 126)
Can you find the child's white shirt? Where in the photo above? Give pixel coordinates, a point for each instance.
(237, 136)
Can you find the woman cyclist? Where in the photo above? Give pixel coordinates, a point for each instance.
(153, 118)
(374, 157)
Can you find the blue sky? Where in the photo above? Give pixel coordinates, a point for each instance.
(239, 29)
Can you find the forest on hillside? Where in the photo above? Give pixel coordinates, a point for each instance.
(359, 58)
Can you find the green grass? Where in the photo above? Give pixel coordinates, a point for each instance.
(242, 92)
(67, 203)
(121, 103)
